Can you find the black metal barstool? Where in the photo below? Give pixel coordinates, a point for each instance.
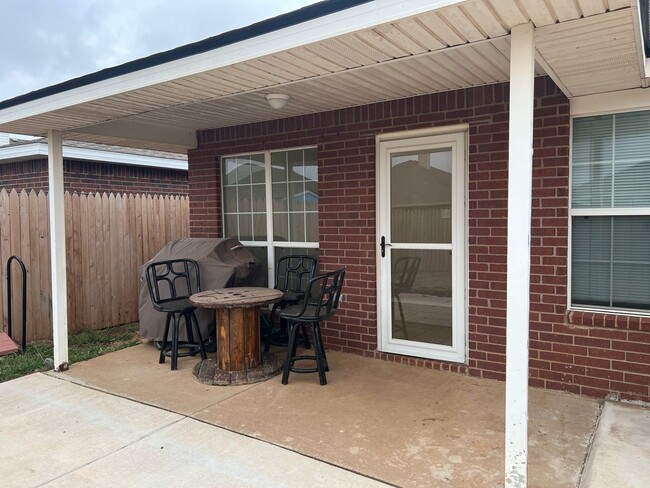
(321, 301)
(292, 273)
(171, 283)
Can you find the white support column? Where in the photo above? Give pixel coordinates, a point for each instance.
(57, 250)
(520, 173)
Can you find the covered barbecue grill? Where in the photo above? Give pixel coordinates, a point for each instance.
(222, 262)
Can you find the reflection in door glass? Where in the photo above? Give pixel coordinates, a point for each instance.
(421, 296)
(420, 193)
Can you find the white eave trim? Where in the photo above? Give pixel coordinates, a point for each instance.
(9, 154)
(336, 24)
(607, 103)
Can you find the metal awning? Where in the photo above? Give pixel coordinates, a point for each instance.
(370, 52)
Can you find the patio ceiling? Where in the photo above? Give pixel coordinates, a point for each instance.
(348, 59)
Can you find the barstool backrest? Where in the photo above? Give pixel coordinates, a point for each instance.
(321, 299)
(293, 272)
(173, 279)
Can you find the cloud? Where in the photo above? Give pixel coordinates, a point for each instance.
(50, 41)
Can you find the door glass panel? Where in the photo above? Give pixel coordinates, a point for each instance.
(420, 192)
(421, 289)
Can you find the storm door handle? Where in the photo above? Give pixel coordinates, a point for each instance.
(382, 245)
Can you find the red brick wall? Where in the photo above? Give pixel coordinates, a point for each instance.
(567, 351)
(29, 175)
(91, 177)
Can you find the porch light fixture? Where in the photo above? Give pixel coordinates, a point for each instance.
(277, 100)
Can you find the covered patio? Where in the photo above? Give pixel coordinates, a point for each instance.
(503, 77)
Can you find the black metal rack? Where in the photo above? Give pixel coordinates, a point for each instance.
(9, 298)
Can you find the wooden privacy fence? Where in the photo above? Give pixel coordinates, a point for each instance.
(108, 237)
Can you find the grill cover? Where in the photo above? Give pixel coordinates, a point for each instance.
(222, 263)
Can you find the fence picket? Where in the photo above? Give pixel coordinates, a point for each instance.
(108, 237)
(78, 289)
(25, 254)
(34, 273)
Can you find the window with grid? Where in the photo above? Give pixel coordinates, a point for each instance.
(610, 211)
(270, 203)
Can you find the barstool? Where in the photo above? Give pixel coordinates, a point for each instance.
(171, 283)
(292, 273)
(321, 302)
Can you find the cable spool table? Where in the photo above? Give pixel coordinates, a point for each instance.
(239, 358)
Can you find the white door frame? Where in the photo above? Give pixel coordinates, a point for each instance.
(456, 138)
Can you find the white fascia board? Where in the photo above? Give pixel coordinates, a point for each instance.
(336, 24)
(31, 151)
(9, 154)
(122, 158)
(606, 103)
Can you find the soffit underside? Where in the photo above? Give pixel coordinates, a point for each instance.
(585, 48)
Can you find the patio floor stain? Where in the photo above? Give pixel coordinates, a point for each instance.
(400, 424)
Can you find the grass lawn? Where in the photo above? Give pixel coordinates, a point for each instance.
(82, 345)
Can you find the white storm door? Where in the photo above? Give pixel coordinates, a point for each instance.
(422, 246)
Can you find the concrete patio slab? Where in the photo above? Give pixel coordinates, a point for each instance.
(50, 427)
(399, 424)
(410, 426)
(191, 453)
(57, 434)
(620, 455)
(135, 373)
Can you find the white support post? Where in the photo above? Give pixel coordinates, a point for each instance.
(520, 172)
(57, 250)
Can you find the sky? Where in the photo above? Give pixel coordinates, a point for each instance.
(44, 42)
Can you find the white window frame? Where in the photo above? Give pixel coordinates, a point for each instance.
(595, 212)
(269, 244)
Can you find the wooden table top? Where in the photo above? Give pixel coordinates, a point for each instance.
(235, 297)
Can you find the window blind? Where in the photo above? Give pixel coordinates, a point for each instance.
(610, 265)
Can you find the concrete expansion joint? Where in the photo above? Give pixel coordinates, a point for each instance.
(590, 443)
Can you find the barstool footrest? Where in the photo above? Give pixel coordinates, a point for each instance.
(190, 350)
(297, 369)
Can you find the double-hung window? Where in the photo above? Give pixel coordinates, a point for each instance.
(270, 203)
(610, 212)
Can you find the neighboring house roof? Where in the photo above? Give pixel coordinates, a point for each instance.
(25, 149)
